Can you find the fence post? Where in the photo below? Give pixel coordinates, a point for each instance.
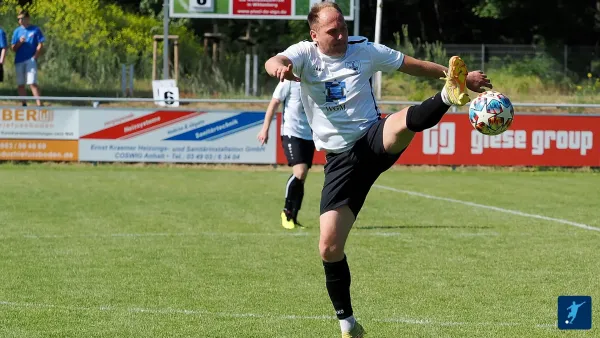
(127, 83)
(123, 79)
(131, 79)
(254, 71)
(482, 57)
(247, 74)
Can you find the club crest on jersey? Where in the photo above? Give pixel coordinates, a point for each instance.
(335, 91)
(354, 65)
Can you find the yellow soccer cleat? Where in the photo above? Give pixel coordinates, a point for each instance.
(456, 82)
(287, 223)
(356, 332)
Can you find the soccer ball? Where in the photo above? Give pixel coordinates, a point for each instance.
(491, 113)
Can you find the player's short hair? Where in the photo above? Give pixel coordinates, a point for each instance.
(313, 15)
(23, 14)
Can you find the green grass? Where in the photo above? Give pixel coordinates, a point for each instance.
(117, 251)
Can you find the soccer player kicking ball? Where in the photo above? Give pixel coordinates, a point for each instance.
(297, 143)
(335, 72)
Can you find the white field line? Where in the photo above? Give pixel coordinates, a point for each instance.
(489, 207)
(165, 234)
(171, 311)
(223, 234)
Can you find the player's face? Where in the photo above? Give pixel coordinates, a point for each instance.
(23, 20)
(331, 33)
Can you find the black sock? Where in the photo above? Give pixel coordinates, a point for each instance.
(427, 114)
(298, 193)
(337, 280)
(294, 194)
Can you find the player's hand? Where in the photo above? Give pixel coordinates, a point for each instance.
(285, 73)
(22, 39)
(477, 80)
(263, 136)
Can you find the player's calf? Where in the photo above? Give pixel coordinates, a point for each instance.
(400, 128)
(294, 193)
(427, 114)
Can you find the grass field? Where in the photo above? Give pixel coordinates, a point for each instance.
(124, 251)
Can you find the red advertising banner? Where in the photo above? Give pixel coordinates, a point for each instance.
(262, 7)
(533, 140)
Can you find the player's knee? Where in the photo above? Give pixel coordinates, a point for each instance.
(396, 135)
(330, 252)
(396, 123)
(300, 171)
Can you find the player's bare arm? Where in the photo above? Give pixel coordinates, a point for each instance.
(280, 67)
(17, 45)
(38, 50)
(476, 80)
(263, 135)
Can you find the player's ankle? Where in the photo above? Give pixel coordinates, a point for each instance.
(347, 324)
(445, 97)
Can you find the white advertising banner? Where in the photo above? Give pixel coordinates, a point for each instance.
(39, 123)
(173, 136)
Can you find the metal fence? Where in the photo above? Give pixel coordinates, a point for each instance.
(578, 59)
(97, 101)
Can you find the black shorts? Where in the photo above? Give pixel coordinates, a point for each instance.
(298, 150)
(349, 175)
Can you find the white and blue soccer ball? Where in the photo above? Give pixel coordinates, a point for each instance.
(491, 113)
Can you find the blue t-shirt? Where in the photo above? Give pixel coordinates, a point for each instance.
(2, 39)
(33, 36)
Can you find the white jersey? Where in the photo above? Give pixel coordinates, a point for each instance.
(294, 119)
(336, 91)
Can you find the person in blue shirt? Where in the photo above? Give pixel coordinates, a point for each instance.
(27, 43)
(3, 45)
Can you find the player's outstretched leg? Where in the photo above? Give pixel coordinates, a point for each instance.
(335, 227)
(400, 128)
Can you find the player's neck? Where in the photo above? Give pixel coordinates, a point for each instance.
(334, 57)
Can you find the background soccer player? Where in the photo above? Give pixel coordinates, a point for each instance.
(296, 139)
(27, 43)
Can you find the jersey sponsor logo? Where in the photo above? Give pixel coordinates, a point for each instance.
(354, 65)
(335, 91)
(335, 108)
